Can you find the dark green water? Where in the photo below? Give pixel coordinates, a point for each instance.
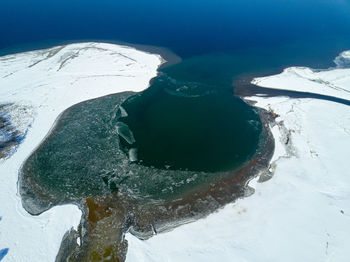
(188, 131)
(83, 156)
(177, 127)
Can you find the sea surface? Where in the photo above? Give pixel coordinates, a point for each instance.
(189, 119)
(188, 27)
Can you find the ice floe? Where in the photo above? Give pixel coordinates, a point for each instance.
(124, 131)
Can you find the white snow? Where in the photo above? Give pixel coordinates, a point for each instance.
(328, 82)
(303, 212)
(49, 81)
(343, 60)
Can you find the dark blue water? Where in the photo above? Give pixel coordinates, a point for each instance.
(220, 42)
(188, 27)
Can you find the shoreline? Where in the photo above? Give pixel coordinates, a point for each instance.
(300, 213)
(223, 192)
(225, 187)
(170, 58)
(247, 90)
(43, 92)
(226, 190)
(151, 218)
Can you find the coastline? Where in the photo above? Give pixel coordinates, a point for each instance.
(300, 213)
(168, 56)
(247, 90)
(223, 192)
(125, 214)
(22, 234)
(244, 213)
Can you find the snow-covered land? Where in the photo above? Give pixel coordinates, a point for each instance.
(333, 82)
(42, 84)
(303, 212)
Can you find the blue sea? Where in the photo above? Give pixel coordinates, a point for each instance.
(219, 40)
(313, 30)
(220, 43)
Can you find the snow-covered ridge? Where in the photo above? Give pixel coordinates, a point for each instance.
(303, 212)
(333, 82)
(49, 81)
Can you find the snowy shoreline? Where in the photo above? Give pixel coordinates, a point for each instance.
(302, 212)
(332, 82)
(45, 83)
